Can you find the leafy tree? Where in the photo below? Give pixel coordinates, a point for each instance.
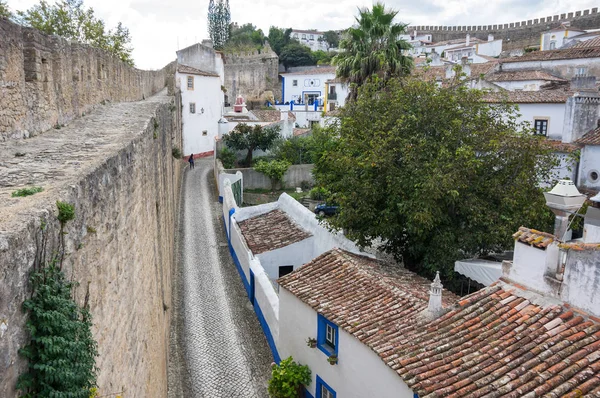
(436, 173)
(332, 38)
(322, 57)
(274, 169)
(296, 54)
(251, 138)
(287, 379)
(373, 47)
(71, 20)
(279, 38)
(4, 10)
(245, 37)
(219, 20)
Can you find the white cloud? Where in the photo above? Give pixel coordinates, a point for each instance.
(159, 26)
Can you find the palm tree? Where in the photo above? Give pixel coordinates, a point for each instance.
(373, 47)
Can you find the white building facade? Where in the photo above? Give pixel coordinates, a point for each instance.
(310, 38)
(307, 86)
(200, 77)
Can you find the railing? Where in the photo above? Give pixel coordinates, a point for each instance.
(332, 96)
(236, 187)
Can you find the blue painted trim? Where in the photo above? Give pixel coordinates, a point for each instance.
(416, 395)
(283, 89)
(231, 211)
(220, 199)
(267, 331)
(252, 290)
(236, 261)
(322, 322)
(307, 394)
(320, 383)
(310, 92)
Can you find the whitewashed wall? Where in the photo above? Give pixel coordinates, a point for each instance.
(554, 112)
(565, 68)
(207, 95)
(295, 93)
(590, 162)
(582, 281)
(359, 372)
(525, 85)
(267, 299)
(530, 264)
(491, 48)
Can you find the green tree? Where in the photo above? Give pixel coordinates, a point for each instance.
(4, 10)
(331, 38)
(436, 173)
(279, 38)
(372, 47)
(246, 37)
(287, 379)
(219, 20)
(251, 138)
(274, 169)
(296, 54)
(71, 20)
(322, 57)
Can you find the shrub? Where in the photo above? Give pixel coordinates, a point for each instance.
(26, 191)
(275, 169)
(319, 193)
(176, 152)
(227, 157)
(66, 212)
(287, 379)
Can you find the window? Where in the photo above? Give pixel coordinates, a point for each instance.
(581, 71)
(541, 126)
(192, 107)
(304, 36)
(552, 45)
(190, 82)
(324, 390)
(593, 176)
(295, 83)
(312, 37)
(285, 269)
(204, 132)
(327, 336)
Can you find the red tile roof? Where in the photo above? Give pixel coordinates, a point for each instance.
(569, 53)
(270, 231)
(590, 138)
(559, 95)
(595, 42)
(298, 132)
(507, 76)
(501, 341)
(271, 115)
(318, 70)
(560, 146)
(534, 238)
(193, 71)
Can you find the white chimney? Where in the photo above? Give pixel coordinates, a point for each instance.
(434, 309)
(563, 200)
(284, 115)
(466, 68)
(468, 40)
(223, 127)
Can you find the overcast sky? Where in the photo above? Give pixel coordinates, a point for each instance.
(160, 27)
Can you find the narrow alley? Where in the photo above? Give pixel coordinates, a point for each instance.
(217, 345)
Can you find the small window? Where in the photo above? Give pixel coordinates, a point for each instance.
(285, 269)
(312, 37)
(192, 107)
(581, 71)
(295, 83)
(324, 390)
(593, 176)
(541, 126)
(304, 36)
(204, 132)
(327, 336)
(190, 82)
(552, 45)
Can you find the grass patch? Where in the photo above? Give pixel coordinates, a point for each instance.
(19, 193)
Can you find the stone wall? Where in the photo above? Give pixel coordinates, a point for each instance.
(116, 166)
(251, 74)
(293, 177)
(46, 81)
(515, 35)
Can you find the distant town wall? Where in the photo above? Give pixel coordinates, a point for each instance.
(250, 74)
(515, 35)
(46, 81)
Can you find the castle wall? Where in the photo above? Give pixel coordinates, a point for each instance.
(46, 81)
(251, 74)
(515, 35)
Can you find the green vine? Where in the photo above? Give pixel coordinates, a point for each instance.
(61, 352)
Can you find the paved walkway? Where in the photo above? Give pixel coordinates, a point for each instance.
(217, 346)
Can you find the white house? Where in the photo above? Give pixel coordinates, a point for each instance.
(200, 77)
(523, 80)
(476, 52)
(336, 93)
(306, 87)
(310, 38)
(558, 37)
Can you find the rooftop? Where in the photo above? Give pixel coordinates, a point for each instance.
(569, 53)
(557, 96)
(271, 115)
(500, 341)
(193, 71)
(534, 238)
(271, 231)
(319, 70)
(590, 138)
(595, 42)
(522, 75)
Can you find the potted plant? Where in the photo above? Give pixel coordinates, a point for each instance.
(288, 379)
(311, 342)
(333, 359)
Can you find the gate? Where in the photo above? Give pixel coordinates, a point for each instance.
(236, 187)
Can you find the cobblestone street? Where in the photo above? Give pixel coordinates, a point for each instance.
(217, 345)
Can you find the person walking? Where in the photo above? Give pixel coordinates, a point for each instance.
(191, 160)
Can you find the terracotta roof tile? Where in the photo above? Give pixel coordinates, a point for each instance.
(270, 115)
(560, 146)
(507, 76)
(319, 70)
(270, 231)
(569, 53)
(193, 71)
(595, 42)
(590, 138)
(559, 95)
(534, 238)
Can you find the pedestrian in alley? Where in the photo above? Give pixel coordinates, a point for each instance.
(191, 160)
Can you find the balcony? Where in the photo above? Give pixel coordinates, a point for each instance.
(332, 96)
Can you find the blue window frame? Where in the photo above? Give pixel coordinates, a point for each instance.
(324, 390)
(327, 336)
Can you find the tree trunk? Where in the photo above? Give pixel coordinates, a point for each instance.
(249, 158)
